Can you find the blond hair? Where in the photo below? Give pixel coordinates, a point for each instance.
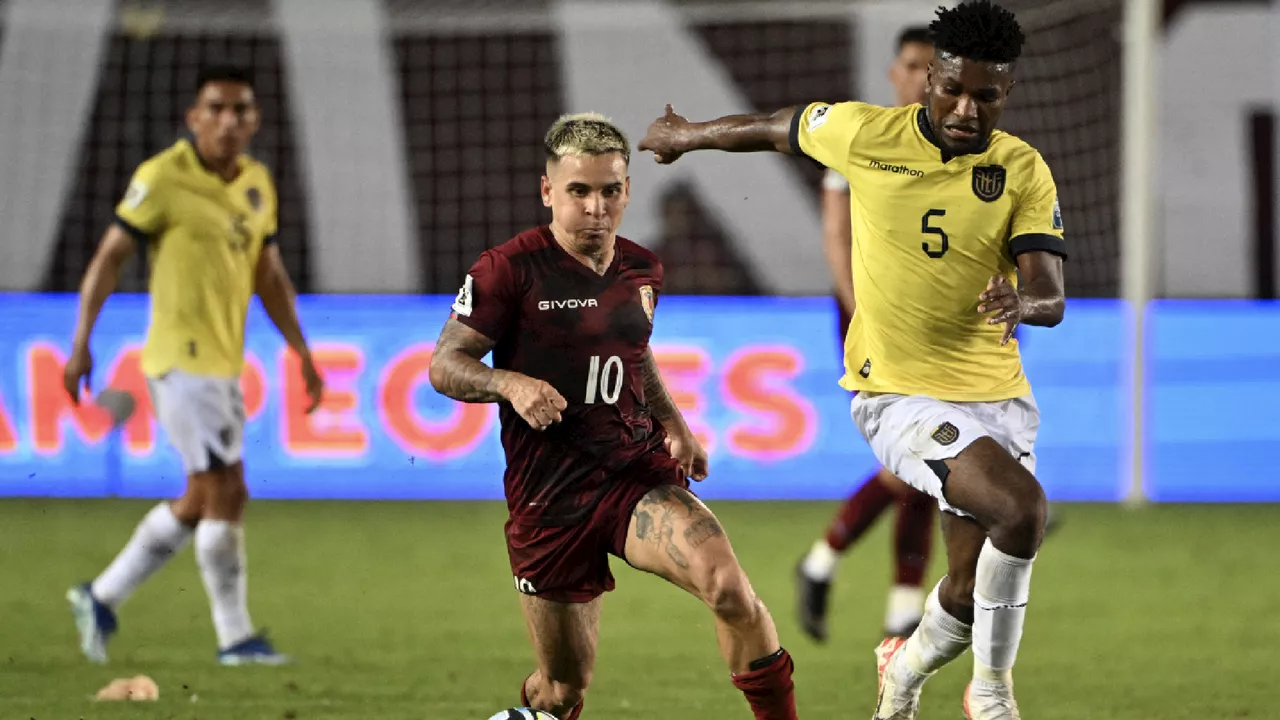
(585, 134)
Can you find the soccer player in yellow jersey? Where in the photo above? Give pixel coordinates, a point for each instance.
(206, 212)
(957, 239)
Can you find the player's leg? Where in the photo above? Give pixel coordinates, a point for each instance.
(164, 531)
(564, 637)
(1004, 497)
(673, 535)
(816, 570)
(912, 542)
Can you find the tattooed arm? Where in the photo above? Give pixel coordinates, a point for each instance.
(681, 442)
(656, 395)
(456, 372)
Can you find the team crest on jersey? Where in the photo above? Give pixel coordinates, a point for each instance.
(254, 197)
(646, 301)
(988, 182)
(945, 434)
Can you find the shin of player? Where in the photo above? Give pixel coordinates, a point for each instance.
(598, 457)
(207, 213)
(950, 411)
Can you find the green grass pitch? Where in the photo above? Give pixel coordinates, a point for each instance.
(406, 610)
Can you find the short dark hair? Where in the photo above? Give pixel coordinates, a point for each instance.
(978, 30)
(224, 73)
(914, 34)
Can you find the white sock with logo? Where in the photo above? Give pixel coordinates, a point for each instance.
(156, 539)
(1000, 594)
(221, 556)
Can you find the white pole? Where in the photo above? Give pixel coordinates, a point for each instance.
(1141, 34)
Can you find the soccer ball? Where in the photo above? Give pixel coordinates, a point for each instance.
(523, 714)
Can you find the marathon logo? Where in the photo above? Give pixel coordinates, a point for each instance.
(897, 169)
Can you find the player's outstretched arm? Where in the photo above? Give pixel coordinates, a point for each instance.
(275, 289)
(456, 372)
(671, 135)
(99, 282)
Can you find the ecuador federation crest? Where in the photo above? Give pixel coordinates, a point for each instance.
(988, 182)
(646, 301)
(945, 434)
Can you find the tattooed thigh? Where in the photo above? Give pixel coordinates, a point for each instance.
(674, 535)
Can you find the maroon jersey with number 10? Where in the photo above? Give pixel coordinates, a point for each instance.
(554, 319)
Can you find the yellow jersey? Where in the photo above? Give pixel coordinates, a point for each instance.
(203, 237)
(929, 232)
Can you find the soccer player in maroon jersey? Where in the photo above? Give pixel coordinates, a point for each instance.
(913, 529)
(598, 456)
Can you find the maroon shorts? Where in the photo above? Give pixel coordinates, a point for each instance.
(571, 564)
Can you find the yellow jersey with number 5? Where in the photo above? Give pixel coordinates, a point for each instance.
(203, 236)
(929, 232)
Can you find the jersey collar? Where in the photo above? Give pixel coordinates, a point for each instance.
(922, 120)
(195, 153)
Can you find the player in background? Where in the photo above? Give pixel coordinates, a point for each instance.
(206, 212)
(598, 457)
(957, 239)
(913, 530)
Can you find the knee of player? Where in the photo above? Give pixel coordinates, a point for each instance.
(1029, 509)
(728, 593)
(224, 485)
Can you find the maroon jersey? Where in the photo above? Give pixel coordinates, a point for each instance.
(554, 319)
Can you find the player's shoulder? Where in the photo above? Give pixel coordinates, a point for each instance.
(256, 170)
(165, 163)
(533, 240)
(1013, 152)
(637, 256)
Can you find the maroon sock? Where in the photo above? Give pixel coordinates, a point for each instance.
(858, 513)
(768, 687)
(913, 537)
(524, 701)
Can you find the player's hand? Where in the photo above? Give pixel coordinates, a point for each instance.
(1001, 298)
(79, 367)
(315, 383)
(536, 401)
(686, 449)
(664, 137)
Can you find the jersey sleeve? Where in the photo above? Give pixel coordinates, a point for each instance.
(142, 210)
(1037, 218)
(825, 132)
(487, 300)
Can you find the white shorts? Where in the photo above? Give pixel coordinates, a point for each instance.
(203, 417)
(906, 432)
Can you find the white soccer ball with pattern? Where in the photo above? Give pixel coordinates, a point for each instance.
(523, 714)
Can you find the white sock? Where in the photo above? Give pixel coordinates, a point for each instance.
(220, 554)
(820, 563)
(905, 607)
(1000, 593)
(157, 538)
(940, 639)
